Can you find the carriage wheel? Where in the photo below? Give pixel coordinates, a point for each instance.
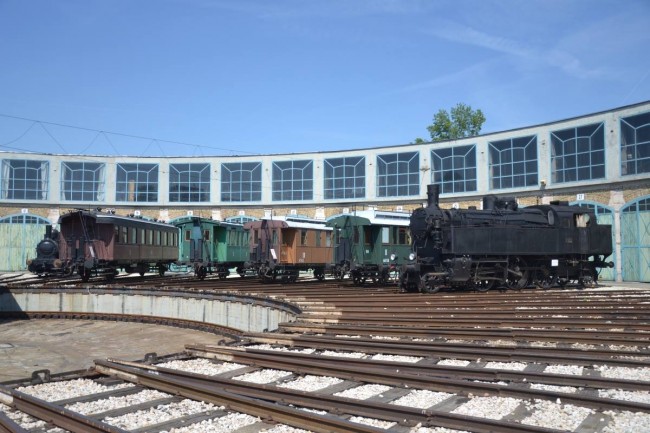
(201, 272)
(84, 274)
(161, 270)
(319, 274)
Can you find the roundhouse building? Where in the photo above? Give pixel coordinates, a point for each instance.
(601, 160)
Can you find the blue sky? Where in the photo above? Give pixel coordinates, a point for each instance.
(235, 77)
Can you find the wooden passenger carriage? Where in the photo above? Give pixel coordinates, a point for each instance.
(369, 244)
(212, 247)
(283, 246)
(92, 242)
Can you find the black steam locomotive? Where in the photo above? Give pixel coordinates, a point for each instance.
(503, 245)
(47, 254)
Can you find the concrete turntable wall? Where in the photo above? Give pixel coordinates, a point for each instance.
(248, 314)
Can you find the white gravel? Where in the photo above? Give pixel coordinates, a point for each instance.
(454, 362)
(307, 350)
(224, 424)
(488, 407)
(422, 399)
(266, 375)
(554, 388)
(358, 355)
(638, 374)
(555, 415)
(396, 358)
(98, 406)
(53, 391)
(519, 366)
(619, 394)
(575, 370)
(311, 383)
(372, 422)
(201, 366)
(162, 413)
(628, 422)
(363, 392)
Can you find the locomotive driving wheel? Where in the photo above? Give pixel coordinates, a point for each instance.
(430, 284)
(482, 284)
(544, 278)
(518, 275)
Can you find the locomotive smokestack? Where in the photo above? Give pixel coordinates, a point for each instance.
(433, 194)
(48, 231)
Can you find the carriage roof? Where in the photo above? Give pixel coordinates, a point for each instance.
(373, 217)
(118, 220)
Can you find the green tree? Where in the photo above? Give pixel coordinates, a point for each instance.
(460, 122)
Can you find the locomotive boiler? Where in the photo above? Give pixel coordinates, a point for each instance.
(504, 245)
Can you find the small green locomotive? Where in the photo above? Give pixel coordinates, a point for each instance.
(211, 247)
(369, 244)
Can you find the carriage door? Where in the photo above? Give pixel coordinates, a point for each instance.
(343, 243)
(19, 235)
(288, 248)
(635, 241)
(196, 242)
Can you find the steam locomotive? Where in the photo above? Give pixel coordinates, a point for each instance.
(47, 260)
(503, 245)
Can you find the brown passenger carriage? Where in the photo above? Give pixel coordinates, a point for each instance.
(97, 243)
(283, 246)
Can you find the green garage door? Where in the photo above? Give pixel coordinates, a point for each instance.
(19, 235)
(635, 240)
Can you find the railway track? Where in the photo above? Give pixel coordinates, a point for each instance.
(372, 359)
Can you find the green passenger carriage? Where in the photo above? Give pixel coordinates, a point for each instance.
(212, 247)
(369, 244)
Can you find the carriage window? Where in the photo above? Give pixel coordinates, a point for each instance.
(403, 237)
(328, 240)
(124, 235)
(149, 237)
(303, 237)
(582, 220)
(164, 239)
(157, 238)
(206, 235)
(141, 236)
(355, 235)
(385, 235)
(117, 234)
(133, 236)
(274, 240)
(188, 235)
(367, 234)
(318, 238)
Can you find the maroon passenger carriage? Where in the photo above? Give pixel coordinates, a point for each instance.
(99, 243)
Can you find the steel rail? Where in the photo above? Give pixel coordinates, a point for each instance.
(485, 322)
(592, 337)
(459, 386)
(451, 350)
(57, 415)
(204, 390)
(7, 425)
(313, 364)
(333, 404)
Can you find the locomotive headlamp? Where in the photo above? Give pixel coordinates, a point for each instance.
(412, 256)
(393, 256)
